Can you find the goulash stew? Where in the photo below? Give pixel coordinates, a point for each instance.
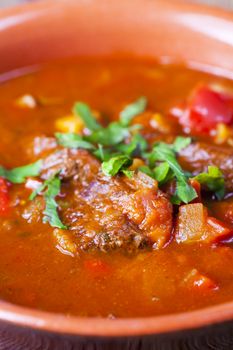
(116, 188)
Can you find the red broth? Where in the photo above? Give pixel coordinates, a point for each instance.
(35, 269)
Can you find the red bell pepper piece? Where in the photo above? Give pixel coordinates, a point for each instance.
(97, 267)
(4, 197)
(206, 109)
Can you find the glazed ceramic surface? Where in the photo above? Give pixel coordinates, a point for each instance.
(170, 31)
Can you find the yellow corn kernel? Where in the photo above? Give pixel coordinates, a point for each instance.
(137, 162)
(223, 132)
(158, 122)
(69, 123)
(26, 101)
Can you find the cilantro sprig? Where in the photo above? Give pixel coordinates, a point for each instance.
(132, 110)
(83, 111)
(50, 189)
(213, 180)
(72, 140)
(18, 175)
(116, 164)
(169, 167)
(116, 131)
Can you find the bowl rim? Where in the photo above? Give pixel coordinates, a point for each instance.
(106, 327)
(120, 327)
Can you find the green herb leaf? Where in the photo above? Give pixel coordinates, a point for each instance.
(128, 173)
(162, 173)
(181, 142)
(136, 147)
(213, 180)
(18, 175)
(131, 110)
(146, 170)
(110, 136)
(52, 187)
(83, 111)
(164, 152)
(50, 212)
(72, 140)
(116, 164)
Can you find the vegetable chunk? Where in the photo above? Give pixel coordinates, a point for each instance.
(194, 225)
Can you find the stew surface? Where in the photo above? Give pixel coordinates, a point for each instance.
(130, 178)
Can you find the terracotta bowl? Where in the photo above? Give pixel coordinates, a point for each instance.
(43, 31)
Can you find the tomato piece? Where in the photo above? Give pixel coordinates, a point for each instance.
(206, 109)
(197, 187)
(4, 197)
(97, 267)
(219, 230)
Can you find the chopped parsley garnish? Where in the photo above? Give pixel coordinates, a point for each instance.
(132, 110)
(18, 175)
(166, 153)
(50, 189)
(116, 164)
(213, 180)
(72, 140)
(180, 143)
(135, 147)
(163, 173)
(83, 111)
(115, 132)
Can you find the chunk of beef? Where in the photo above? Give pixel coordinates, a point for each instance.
(39, 146)
(198, 156)
(70, 164)
(107, 212)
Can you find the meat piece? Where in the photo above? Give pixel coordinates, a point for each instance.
(141, 180)
(109, 212)
(33, 210)
(39, 146)
(152, 212)
(70, 163)
(198, 156)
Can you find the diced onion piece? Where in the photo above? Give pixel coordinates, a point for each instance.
(196, 280)
(26, 101)
(191, 223)
(194, 225)
(70, 124)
